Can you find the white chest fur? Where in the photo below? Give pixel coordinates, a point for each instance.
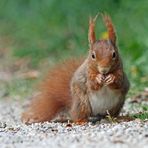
(103, 100)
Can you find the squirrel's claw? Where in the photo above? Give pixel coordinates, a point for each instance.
(109, 79)
(100, 78)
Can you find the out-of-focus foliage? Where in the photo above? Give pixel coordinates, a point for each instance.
(57, 29)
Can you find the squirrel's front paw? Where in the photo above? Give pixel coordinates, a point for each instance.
(100, 79)
(109, 79)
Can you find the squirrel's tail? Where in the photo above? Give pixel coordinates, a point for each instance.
(55, 93)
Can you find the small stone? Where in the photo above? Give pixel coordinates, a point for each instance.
(146, 135)
(3, 125)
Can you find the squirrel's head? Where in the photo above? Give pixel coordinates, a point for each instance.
(103, 53)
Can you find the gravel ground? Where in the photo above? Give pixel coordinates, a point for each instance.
(14, 134)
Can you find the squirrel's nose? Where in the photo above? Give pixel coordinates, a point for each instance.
(104, 70)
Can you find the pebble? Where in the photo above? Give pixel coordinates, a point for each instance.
(49, 134)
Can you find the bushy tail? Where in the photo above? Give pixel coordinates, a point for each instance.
(55, 94)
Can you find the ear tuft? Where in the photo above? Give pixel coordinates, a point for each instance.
(110, 28)
(91, 32)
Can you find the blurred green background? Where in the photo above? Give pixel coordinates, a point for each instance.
(48, 31)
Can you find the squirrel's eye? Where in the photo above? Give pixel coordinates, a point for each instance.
(114, 55)
(93, 56)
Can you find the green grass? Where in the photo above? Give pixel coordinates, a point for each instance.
(142, 116)
(54, 30)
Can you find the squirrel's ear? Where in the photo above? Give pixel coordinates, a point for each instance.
(91, 32)
(110, 28)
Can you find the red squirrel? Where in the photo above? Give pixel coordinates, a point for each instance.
(85, 88)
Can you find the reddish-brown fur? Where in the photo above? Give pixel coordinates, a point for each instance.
(55, 93)
(91, 33)
(110, 28)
